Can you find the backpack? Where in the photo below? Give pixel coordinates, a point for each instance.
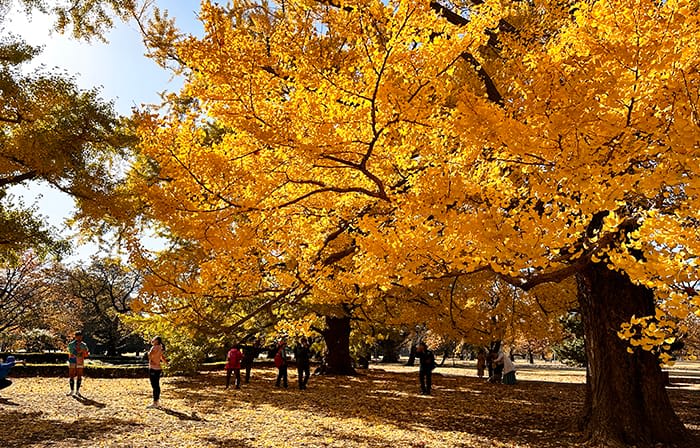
(279, 361)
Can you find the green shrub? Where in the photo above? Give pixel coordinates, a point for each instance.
(91, 371)
(39, 358)
(571, 350)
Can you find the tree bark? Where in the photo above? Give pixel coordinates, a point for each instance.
(626, 401)
(337, 339)
(390, 350)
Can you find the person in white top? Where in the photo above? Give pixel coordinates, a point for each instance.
(156, 356)
(497, 364)
(508, 371)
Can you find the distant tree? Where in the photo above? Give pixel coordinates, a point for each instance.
(40, 339)
(51, 131)
(22, 292)
(572, 349)
(104, 290)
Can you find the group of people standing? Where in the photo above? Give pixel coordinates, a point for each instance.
(242, 357)
(78, 351)
(500, 366)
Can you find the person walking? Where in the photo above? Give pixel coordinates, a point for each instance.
(156, 356)
(425, 371)
(233, 364)
(5, 368)
(480, 362)
(77, 352)
(302, 355)
(281, 362)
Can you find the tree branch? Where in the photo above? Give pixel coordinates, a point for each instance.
(29, 175)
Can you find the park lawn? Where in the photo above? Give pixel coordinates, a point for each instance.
(377, 408)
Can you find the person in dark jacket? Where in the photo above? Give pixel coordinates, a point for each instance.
(425, 371)
(302, 356)
(250, 352)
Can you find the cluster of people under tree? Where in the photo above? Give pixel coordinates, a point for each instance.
(500, 366)
(236, 359)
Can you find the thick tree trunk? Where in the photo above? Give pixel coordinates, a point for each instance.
(337, 339)
(390, 351)
(626, 402)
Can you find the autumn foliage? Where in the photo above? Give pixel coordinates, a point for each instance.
(356, 158)
(336, 153)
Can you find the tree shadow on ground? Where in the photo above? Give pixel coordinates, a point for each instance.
(536, 413)
(530, 413)
(26, 428)
(89, 402)
(231, 443)
(181, 415)
(8, 402)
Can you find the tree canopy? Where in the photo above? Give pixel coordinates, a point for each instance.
(333, 153)
(52, 131)
(343, 150)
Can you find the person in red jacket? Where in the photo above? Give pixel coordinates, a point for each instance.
(233, 364)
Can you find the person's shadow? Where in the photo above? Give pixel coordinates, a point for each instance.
(7, 402)
(88, 402)
(181, 415)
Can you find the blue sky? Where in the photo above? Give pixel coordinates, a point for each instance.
(119, 68)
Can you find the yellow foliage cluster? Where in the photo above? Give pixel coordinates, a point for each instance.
(297, 328)
(345, 153)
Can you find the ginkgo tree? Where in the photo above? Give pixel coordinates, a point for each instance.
(331, 151)
(52, 131)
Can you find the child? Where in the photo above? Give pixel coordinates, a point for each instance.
(480, 363)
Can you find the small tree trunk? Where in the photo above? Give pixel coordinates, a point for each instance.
(412, 356)
(626, 402)
(337, 339)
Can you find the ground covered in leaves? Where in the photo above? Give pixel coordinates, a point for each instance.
(378, 408)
